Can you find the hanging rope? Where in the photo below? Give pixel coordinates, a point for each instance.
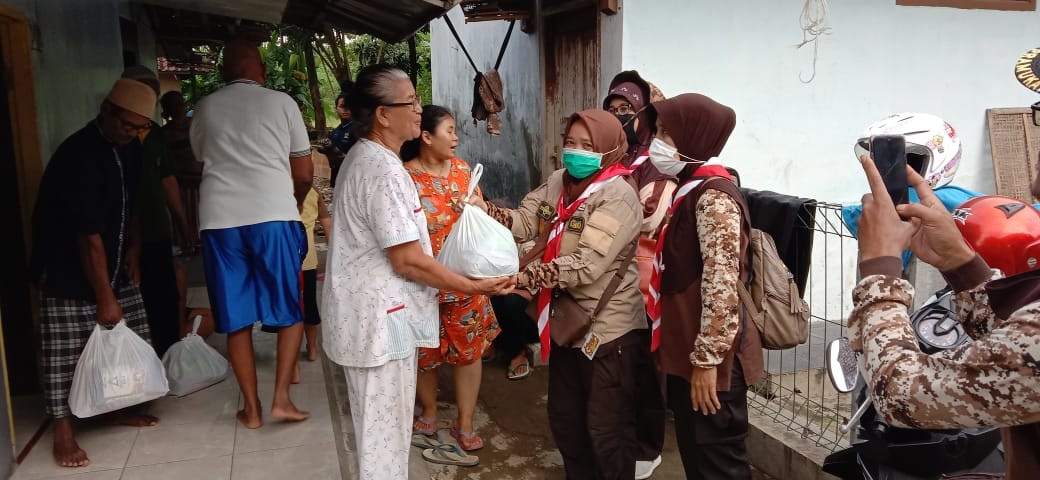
(814, 25)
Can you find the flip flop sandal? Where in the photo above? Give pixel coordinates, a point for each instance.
(429, 426)
(511, 371)
(469, 441)
(426, 441)
(449, 454)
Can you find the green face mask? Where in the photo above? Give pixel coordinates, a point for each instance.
(581, 163)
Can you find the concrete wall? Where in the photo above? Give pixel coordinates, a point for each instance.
(611, 40)
(879, 58)
(511, 160)
(77, 57)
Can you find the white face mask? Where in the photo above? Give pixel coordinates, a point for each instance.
(663, 156)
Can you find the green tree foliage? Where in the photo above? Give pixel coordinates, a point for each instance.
(367, 50)
(283, 55)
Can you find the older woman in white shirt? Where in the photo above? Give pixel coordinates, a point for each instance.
(381, 282)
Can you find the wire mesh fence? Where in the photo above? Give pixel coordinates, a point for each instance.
(796, 392)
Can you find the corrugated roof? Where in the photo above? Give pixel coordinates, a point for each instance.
(390, 20)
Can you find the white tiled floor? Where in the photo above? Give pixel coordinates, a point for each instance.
(199, 438)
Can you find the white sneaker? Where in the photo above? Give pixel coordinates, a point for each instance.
(644, 469)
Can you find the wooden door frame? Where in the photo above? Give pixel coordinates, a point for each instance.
(16, 42)
(550, 152)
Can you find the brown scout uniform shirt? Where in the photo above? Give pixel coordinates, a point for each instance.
(992, 381)
(701, 313)
(595, 241)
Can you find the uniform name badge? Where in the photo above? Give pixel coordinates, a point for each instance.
(591, 344)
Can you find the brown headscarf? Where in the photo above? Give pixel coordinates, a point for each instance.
(638, 93)
(607, 136)
(699, 125)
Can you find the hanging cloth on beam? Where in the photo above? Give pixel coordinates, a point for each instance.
(488, 91)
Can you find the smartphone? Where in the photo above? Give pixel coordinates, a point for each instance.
(889, 154)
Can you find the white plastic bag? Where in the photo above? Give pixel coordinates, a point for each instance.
(478, 246)
(116, 370)
(191, 364)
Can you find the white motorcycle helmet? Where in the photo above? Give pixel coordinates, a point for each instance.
(933, 147)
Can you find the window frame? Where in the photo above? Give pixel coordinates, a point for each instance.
(1013, 5)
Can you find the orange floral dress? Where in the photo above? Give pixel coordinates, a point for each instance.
(468, 323)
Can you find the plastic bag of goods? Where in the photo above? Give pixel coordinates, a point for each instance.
(117, 369)
(478, 246)
(191, 364)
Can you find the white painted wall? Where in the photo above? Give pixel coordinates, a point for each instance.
(511, 160)
(880, 58)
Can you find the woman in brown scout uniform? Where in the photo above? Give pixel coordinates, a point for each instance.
(586, 218)
(709, 350)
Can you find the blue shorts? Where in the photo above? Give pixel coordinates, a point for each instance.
(253, 274)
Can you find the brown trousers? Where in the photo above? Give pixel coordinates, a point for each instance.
(712, 446)
(592, 407)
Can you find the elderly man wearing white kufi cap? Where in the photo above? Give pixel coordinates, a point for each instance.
(82, 236)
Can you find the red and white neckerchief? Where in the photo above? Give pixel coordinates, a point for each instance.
(653, 307)
(552, 245)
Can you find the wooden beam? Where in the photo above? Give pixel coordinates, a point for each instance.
(566, 7)
(609, 7)
(1014, 5)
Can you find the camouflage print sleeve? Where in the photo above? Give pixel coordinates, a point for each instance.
(718, 226)
(501, 215)
(973, 310)
(992, 381)
(539, 275)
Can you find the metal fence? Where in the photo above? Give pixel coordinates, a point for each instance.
(796, 392)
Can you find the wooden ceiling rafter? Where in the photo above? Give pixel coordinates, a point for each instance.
(490, 10)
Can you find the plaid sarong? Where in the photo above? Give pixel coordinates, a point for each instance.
(65, 326)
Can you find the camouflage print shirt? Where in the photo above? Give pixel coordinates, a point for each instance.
(991, 381)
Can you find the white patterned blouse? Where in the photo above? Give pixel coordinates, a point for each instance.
(370, 314)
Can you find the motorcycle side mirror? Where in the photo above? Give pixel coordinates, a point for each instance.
(842, 367)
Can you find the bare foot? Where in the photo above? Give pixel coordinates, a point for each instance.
(250, 421)
(133, 420)
(312, 354)
(289, 413)
(66, 451)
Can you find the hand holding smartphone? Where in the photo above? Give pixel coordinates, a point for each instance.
(889, 155)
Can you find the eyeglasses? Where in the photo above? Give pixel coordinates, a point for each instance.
(623, 109)
(131, 127)
(415, 104)
(1036, 114)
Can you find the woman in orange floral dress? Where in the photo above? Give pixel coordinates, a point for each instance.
(468, 323)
